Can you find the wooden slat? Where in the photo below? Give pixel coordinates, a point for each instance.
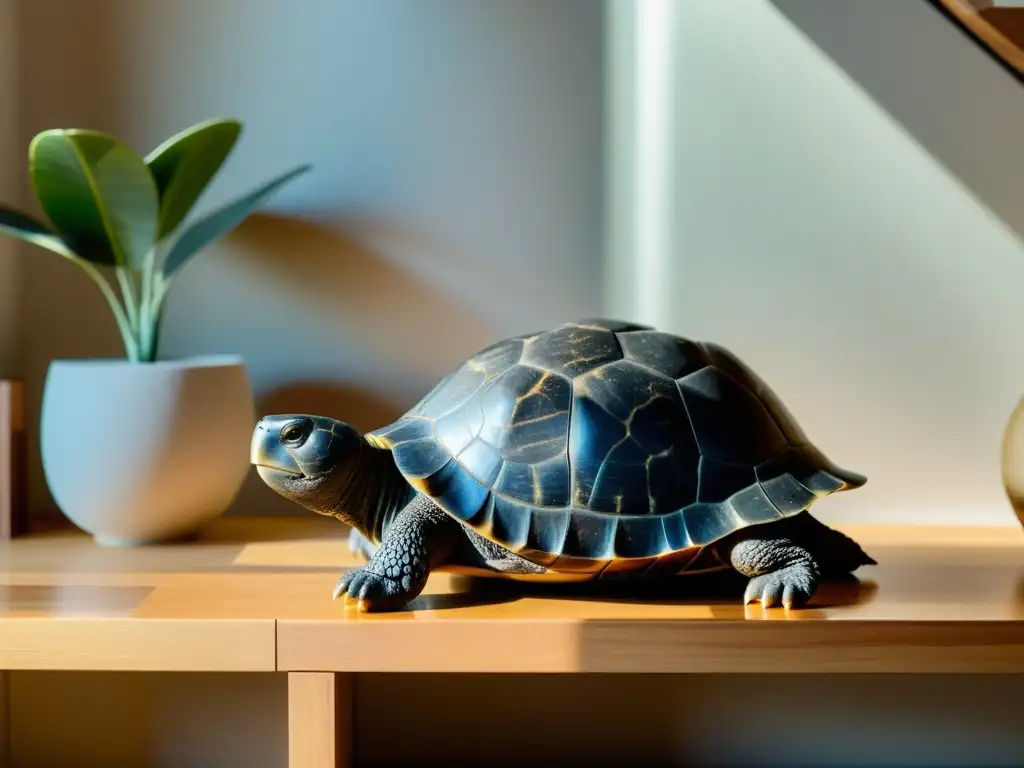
(319, 720)
(804, 646)
(13, 512)
(127, 644)
(657, 647)
(429, 646)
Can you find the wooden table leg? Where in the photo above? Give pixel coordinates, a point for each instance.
(319, 720)
(5, 720)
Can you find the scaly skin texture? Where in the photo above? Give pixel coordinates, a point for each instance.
(780, 570)
(420, 538)
(786, 560)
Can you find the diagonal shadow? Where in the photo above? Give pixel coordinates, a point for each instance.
(948, 92)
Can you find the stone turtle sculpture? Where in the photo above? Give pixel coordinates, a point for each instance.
(593, 450)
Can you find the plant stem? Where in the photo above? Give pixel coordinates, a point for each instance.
(147, 320)
(130, 345)
(161, 284)
(128, 293)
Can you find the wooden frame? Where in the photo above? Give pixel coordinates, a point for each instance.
(998, 29)
(13, 505)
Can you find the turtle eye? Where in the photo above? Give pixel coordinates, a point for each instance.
(291, 433)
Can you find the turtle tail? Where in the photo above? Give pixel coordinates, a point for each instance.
(837, 553)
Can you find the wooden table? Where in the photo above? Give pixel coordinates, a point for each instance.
(255, 595)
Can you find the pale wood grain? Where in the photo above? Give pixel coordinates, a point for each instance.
(137, 644)
(658, 647)
(420, 646)
(319, 720)
(803, 647)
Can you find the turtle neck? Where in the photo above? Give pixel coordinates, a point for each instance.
(370, 493)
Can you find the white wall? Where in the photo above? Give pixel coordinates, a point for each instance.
(814, 235)
(456, 195)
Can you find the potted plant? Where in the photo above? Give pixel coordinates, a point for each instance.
(140, 449)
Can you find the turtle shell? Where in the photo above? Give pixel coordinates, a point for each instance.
(603, 446)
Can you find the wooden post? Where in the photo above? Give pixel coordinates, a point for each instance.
(5, 721)
(13, 502)
(319, 720)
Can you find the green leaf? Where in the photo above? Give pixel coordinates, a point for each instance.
(223, 220)
(184, 164)
(98, 194)
(33, 231)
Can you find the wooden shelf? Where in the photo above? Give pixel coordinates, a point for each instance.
(998, 27)
(255, 594)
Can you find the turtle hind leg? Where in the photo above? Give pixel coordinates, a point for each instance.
(786, 560)
(781, 572)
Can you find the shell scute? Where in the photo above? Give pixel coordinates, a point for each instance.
(572, 350)
(638, 536)
(730, 423)
(590, 536)
(625, 421)
(669, 355)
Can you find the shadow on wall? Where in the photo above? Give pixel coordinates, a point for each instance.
(325, 284)
(947, 92)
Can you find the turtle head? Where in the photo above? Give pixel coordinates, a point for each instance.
(307, 459)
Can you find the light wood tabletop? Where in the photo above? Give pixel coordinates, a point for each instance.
(255, 594)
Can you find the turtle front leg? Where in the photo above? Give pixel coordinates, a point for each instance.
(780, 571)
(420, 538)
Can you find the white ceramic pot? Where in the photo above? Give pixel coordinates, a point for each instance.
(138, 453)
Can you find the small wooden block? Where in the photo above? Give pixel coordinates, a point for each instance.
(319, 720)
(13, 502)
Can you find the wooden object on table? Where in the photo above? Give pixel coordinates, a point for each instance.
(319, 720)
(13, 503)
(255, 594)
(998, 27)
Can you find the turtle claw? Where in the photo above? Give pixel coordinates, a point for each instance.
(341, 588)
(790, 587)
(373, 592)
